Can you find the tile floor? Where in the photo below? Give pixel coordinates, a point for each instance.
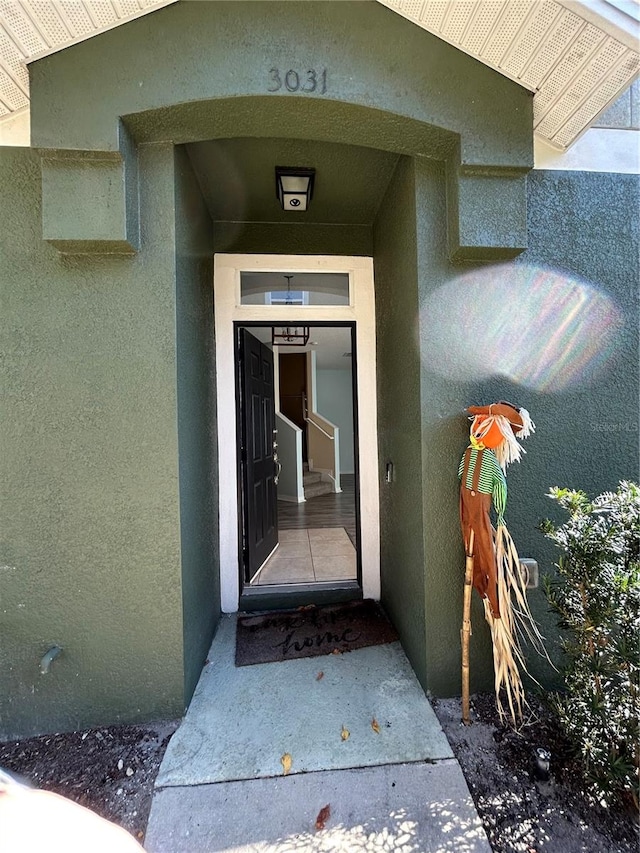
(305, 556)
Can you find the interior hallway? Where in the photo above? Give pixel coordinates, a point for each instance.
(331, 510)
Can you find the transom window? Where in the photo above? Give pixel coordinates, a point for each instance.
(301, 288)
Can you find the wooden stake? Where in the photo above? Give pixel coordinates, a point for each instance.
(465, 632)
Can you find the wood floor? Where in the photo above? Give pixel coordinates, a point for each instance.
(324, 511)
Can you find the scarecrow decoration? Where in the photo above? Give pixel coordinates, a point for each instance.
(492, 564)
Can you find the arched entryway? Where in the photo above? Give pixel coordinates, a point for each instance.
(446, 144)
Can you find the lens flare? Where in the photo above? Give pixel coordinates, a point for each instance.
(537, 326)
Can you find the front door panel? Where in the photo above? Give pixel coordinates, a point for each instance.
(258, 440)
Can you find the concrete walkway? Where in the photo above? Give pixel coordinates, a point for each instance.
(362, 739)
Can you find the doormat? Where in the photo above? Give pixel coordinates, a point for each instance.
(309, 632)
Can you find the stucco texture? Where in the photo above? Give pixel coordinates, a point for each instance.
(109, 466)
(357, 42)
(197, 432)
(421, 433)
(582, 393)
(427, 99)
(399, 441)
(573, 366)
(585, 227)
(91, 551)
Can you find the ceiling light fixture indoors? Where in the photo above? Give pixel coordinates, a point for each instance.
(294, 187)
(290, 336)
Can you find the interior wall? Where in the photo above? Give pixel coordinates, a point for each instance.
(197, 428)
(399, 429)
(334, 398)
(90, 514)
(289, 440)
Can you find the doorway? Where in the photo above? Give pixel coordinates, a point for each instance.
(298, 481)
(293, 393)
(286, 304)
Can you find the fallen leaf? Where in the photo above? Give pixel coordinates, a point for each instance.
(375, 726)
(344, 734)
(323, 816)
(320, 676)
(286, 762)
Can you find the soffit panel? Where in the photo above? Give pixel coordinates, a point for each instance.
(576, 62)
(575, 67)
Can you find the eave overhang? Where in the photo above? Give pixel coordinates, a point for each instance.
(576, 56)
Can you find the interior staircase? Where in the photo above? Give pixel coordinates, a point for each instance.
(313, 484)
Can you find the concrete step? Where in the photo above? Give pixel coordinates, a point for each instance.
(316, 489)
(410, 806)
(407, 791)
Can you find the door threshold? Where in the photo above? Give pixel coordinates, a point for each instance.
(265, 563)
(290, 596)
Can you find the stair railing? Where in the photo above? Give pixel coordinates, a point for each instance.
(323, 448)
(313, 423)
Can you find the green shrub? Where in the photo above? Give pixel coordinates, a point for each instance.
(596, 595)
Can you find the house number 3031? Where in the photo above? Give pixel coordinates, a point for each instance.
(311, 80)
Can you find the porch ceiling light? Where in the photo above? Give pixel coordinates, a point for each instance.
(294, 187)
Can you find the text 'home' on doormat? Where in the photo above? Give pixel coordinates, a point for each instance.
(311, 631)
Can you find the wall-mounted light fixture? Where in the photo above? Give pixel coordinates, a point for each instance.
(294, 187)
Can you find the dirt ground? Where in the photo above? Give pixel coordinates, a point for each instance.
(112, 771)
(519, 813)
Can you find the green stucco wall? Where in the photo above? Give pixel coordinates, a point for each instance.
(91, 550)
(109, 448)
(583, 229)
(399, 440)
(582, 226)
(319, 239)
(586, 226)
(197, 432)
(213, 79)
(193, 51)
(443, 438)
(422, 433)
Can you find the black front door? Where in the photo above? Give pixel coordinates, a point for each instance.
(258, 437)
